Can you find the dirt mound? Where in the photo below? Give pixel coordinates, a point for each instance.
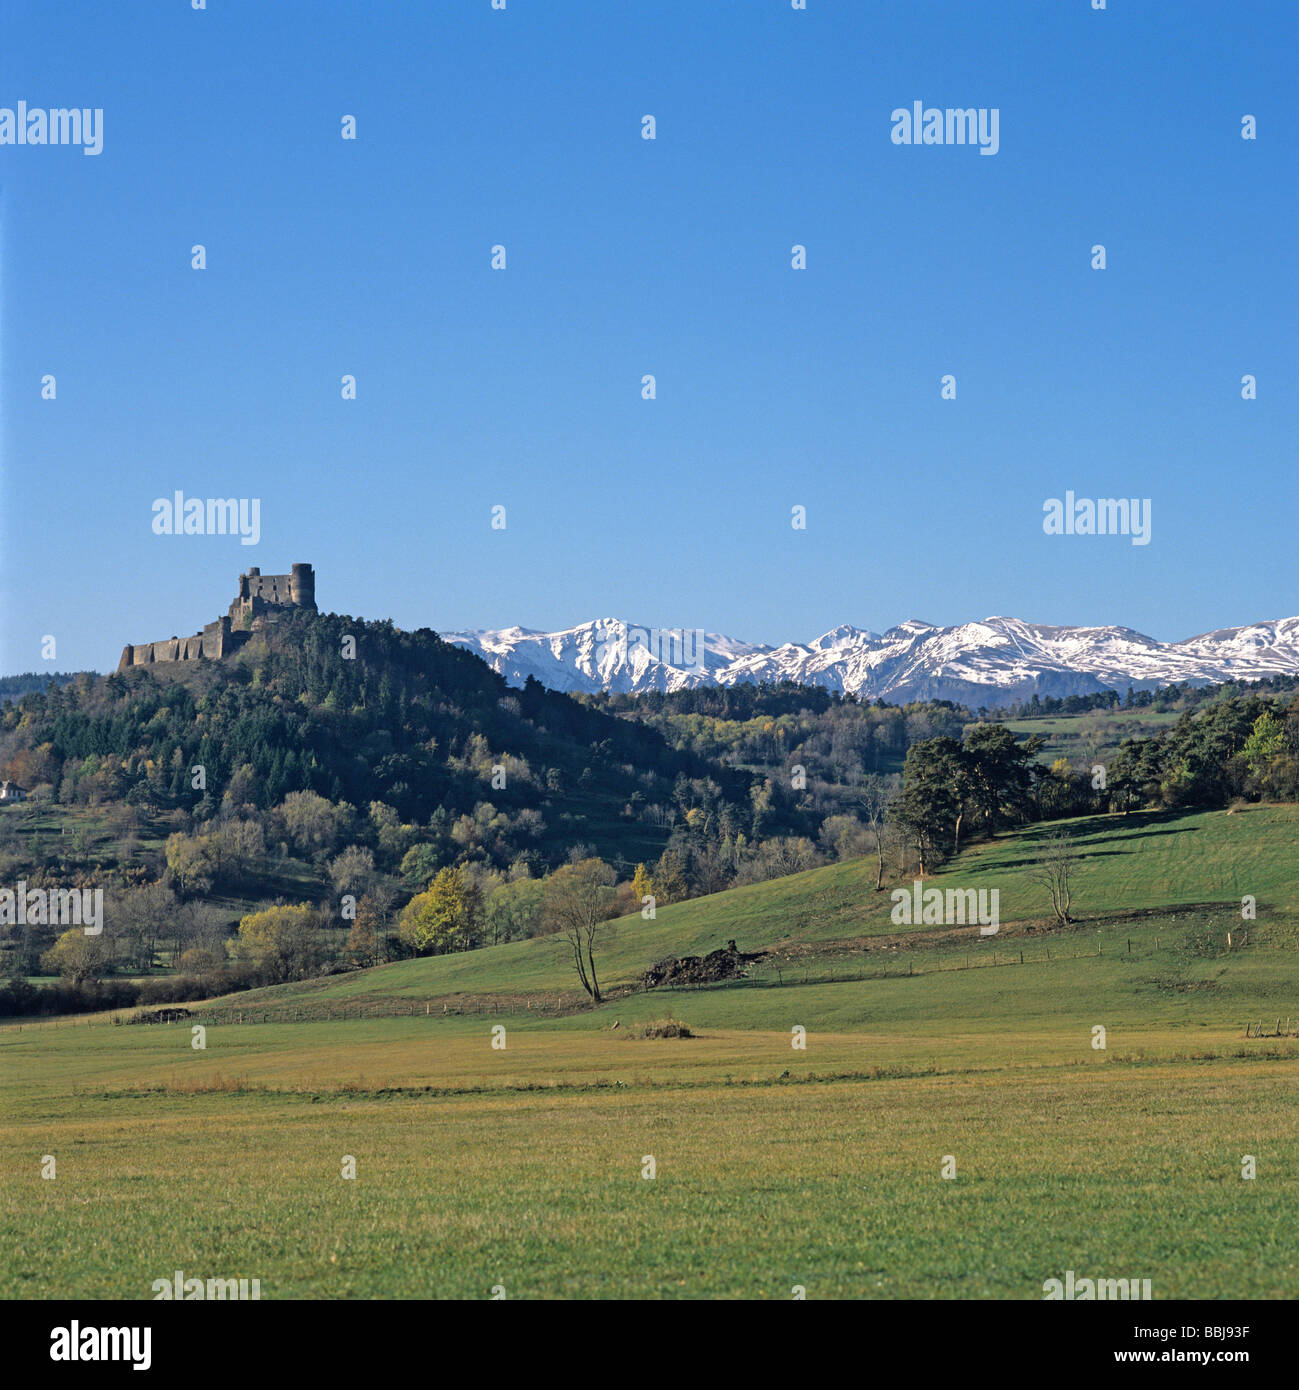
(726, 964)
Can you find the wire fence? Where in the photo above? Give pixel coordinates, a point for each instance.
(771, 972)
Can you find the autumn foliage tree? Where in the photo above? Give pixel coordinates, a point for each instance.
(446, 917)
(77, 957)
(284, 940)
(642, 885)
(364, 941)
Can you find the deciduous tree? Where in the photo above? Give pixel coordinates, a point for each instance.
(579, 900)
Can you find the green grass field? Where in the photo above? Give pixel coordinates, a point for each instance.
(774, 1167)
(1095, 734)
(1135, 864)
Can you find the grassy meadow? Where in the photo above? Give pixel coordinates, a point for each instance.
(774, 1167)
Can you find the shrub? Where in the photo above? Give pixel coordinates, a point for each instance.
(665, 1028)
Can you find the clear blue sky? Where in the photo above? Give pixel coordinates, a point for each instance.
(671, 257)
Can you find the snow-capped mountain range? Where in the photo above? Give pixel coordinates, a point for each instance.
(992, 662)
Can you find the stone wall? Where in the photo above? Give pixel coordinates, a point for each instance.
(260, 597)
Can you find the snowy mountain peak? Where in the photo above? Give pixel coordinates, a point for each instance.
(992, 662)
(843, 635)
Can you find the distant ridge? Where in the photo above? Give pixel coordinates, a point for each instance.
(994, 662)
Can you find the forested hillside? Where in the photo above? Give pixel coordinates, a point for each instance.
(341, 793)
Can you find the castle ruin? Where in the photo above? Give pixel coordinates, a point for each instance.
(261, 599)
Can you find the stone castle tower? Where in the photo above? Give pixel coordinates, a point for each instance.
(259, 593)
(261, 598)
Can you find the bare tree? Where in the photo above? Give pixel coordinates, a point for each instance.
(578, 902)
(197, 925)
(877, 795)
(352, 871)
(1053, 870)
(147, 915)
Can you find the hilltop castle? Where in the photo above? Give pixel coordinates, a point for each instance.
(261, 599)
